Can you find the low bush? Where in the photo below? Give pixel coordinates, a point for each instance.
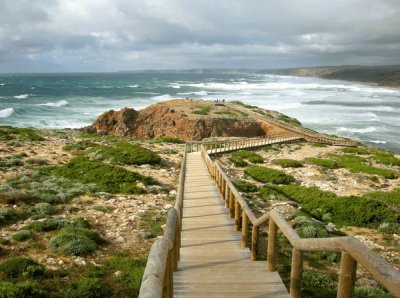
(21, 267)
(386, 158)
(343, 211)
(26, 288)
(287, 163)
(90, 287)
(11, 215)
(16, 133)
(389, 228)
(245, 186)
(202, 111)
(52, 224)
(356, 164)
(315, 284)
(366, 292)
(392, 198)
(169, 140)
(75, 242)
(43, 209)
(247, 155)
(238, 162)
(268, 192)
(108, 178)
(119, 153)
(267, 175)
(22, 235)
(357, 150)
(323, 162)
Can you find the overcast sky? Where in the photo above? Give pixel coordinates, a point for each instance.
(112, 35)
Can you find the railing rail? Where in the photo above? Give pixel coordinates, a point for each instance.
(309, 135)
(164, 254)
(352, 250)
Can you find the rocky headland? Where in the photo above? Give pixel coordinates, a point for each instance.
(388, 76)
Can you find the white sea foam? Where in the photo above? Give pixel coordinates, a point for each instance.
(2, 84)
(378, 142)
(356, 130)
(57, 104)
(6, 112)
(22, 96)
(176, 86)
(201, 93)
(162, 97)
(133, 86)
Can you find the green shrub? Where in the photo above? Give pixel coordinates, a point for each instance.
(169, 140)
(357, 150)
(11, 161)
(319, 145)
(22, 235)
(52, 224)
(389, 228)
(265, 175)
(11, 215)
(90, 287)
(21, 267)
(108, 178)
(238, 162)
(100, 208)
(268, 192)
(356, 164)
(247, 155)
(392, 198)
(43, 209)
(287, 163)
(15, 133)
(120, 153)
(71, 244)
(36, 161)
(386, 159)
(315, 284)
(26, 288)
(202, 111)
(245, 186)
(364, 292)
(322, 162)
(344, 211)
(131, 274)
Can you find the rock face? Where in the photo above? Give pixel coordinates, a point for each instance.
(175, 118)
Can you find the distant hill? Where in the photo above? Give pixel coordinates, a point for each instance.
(382, 75)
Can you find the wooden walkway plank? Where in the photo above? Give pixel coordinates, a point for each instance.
(212, 261)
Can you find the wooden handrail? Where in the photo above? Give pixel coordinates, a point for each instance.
(353, 251)
(164, 254)
(310, 136)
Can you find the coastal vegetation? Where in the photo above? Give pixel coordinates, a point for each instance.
(68, 203)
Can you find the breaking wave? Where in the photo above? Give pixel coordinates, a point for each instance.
(57, 104)
(6, 112)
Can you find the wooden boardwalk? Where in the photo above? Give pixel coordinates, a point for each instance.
(213, 263)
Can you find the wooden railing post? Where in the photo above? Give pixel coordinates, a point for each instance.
(295, 275)
(255, 234)
(245, 227)
(347, 277)
(237, 215)
(271, 252)
(226, 195)
(231, 204)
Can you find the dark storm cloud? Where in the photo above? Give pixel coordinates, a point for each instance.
(107, 35)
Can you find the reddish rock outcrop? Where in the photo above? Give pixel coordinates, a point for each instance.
(174, 119)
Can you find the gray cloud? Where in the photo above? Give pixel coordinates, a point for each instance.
(108, 35)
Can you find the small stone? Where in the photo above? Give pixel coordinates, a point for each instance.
(117, 273)
(79, 261)
(172, 193)
(167, 206)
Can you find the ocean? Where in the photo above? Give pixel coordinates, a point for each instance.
(363, 112)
